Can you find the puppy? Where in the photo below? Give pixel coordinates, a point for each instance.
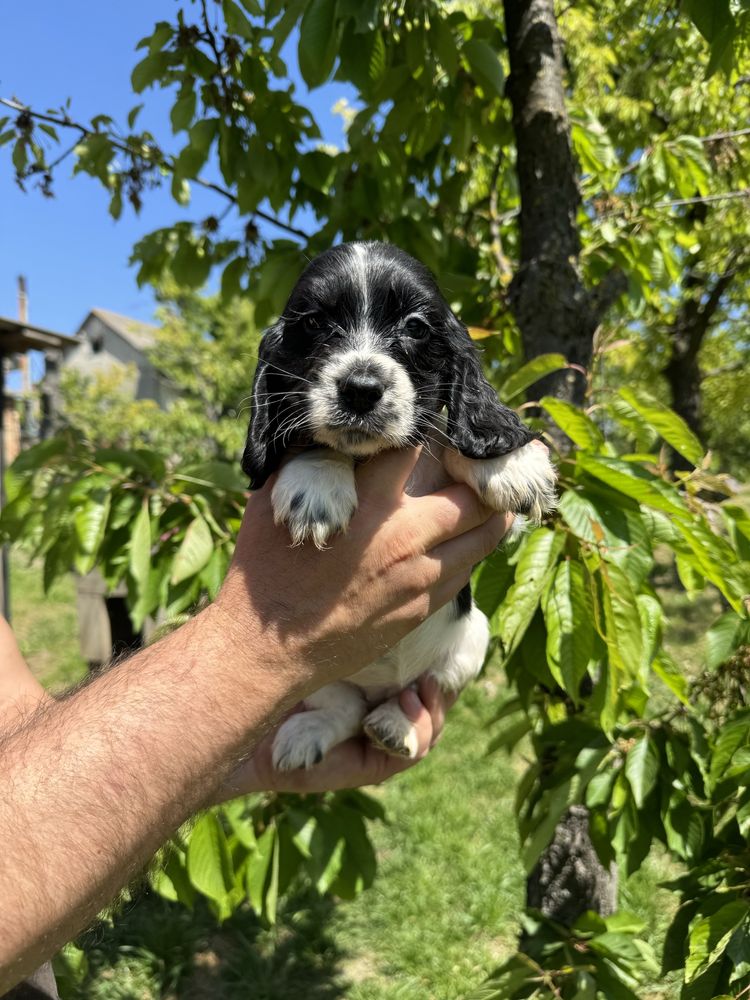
(367, 356)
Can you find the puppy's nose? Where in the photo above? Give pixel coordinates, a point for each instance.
(360, 391)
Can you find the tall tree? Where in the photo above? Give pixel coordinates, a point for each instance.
(437, 160)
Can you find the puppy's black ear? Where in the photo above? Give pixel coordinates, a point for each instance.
(479, 425)
(262, 455)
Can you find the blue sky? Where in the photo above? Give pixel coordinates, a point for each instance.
(72, 253)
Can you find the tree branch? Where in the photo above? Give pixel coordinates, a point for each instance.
(158, 159)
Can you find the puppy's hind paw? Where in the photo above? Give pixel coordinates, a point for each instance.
(388, 729)
(302, 741)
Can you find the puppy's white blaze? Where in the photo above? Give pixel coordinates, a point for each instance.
(523, 479)
(315, 495)
(359, 267)
(399, 400)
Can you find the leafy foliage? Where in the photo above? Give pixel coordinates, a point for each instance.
(655, 98)
(206, 349)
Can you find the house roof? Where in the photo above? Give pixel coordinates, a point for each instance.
(137, 334)
(17, 338)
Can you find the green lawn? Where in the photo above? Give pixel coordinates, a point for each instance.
(46, 625)
(441, 915)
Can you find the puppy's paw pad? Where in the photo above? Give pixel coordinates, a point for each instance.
(302, 741)
(388, 729)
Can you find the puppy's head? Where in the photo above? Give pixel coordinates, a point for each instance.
(364, 357)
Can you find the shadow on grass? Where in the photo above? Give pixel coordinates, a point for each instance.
(162, 950)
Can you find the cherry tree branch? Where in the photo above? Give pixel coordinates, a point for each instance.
(155, 157)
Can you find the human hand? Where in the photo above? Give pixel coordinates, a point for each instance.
(351, 764)
(322, 615)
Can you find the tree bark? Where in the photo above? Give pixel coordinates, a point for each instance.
(554, 310)
(687, 334)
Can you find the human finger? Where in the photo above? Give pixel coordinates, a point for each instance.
(445, 514)
(418, 714)
(384, 476)
(437, 702)
(470, 548)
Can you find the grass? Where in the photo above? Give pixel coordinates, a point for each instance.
(442, 913)
(46, 625)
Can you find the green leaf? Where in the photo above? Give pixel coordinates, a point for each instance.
(539, 552)
(624, 630)
(670, 674)
(91, 520)
(140, 546)
(710, 935)
(327, 846)
(317, 42)
(237, 23)
(709, 18)
(190, 265)
(272, 889)
(665, 422)
(149, 70)
(231, 278)
(183, 112)
(530, 373)
(258, 868)
(485, 65)
(492, 580)
(194, 552)
(642, 769)
(721, 639)
(209, 863)
(580, 428)
(569, 619)
(133, 114)
(634, 481)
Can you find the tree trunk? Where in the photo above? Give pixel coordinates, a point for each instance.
(692, 323)
(555, 312)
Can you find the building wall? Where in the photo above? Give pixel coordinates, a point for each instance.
(101, 349)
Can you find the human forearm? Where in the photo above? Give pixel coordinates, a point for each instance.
(95, 783)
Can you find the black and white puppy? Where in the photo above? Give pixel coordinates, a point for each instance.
(367, 356)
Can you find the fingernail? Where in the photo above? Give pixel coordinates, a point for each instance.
(410, 703)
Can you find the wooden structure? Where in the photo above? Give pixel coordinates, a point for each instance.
(17, 338)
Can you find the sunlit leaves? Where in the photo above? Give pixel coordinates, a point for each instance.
(317, 42)
(666, 422)
(194, 552)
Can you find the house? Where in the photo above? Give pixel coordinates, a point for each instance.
(106, 340)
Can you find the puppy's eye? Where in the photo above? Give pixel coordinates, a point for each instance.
(416, 328)
(313, 322)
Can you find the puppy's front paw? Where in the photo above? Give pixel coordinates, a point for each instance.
(302, 741)
(388, 729)
(523, 481)
(315, 497)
